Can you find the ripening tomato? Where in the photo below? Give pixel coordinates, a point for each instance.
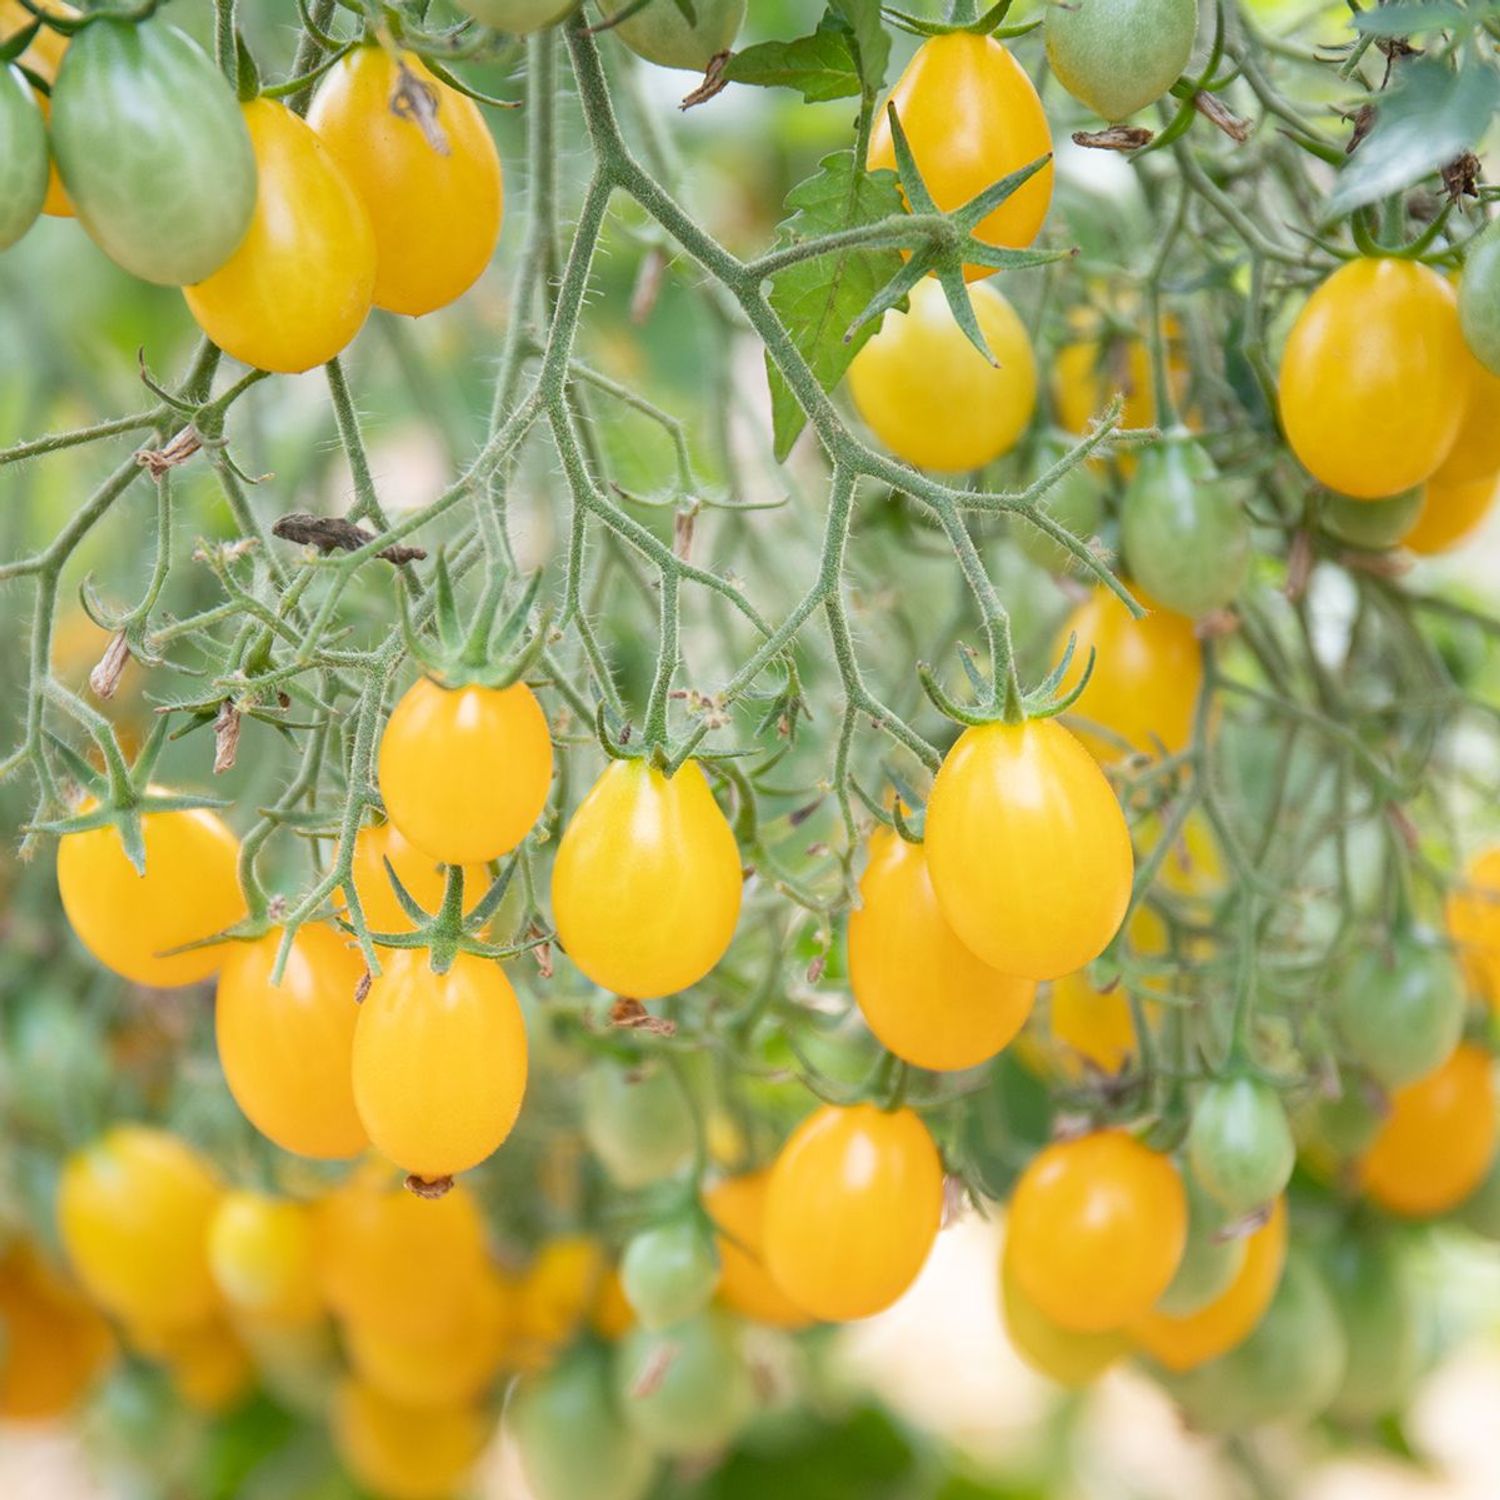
(1375, 377)
(43, 56)
(923, 994)
(737, 1205)
(517, 17)
(661, 32)
(854, 1204)
(1373, 524)
(439, 1065)
(298, 288)
(189, 891)
(930, 396)
(1146, 679)
(286, 1048)
(1473, 920)
(647, 882)
(465, 772)
(1211, 1259)
(421, 157)
(1439, 1139)
(1028, 849)
(1062, 1354)
(1118, 56)
(687, 1391)
(23, 156)
(53, 1344)
(637, 1121)
(1097, 1228)
(1184, 1342)
(133, 1210)
(1240, 1144)
(1451, 513)
(263, 1255)
(669, 1271)
(137, 105)
(406, 1452)
(971, 117)
(423, 877)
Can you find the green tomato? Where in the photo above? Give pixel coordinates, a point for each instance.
(639, 1125)
(1118, 56)
(687, 1389)
(1373, 524)
(1349, 1124)
(1291, 1365)
(1380, 1327)
(1400, 1009)
(153, 150)
(1184, 534)
(662, 34)
(573, 1439)
(23, 157)
(1209, 1261)
(669, 1272)
(1075, 501)
(1240, 1143)
(1479, 298)
(517, 17)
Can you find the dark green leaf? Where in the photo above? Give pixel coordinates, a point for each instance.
(822, 66)
(870, 40)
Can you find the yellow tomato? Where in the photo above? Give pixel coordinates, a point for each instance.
(1476, 450)
(931, 397)
(737, 1205)
(854, 1204)
(128, 921)
(1062, 1354)
(612, 1316)
(286, 1048)
(1028, 849)
(298, 288)
(53, 1344)
(465, 772)
(421, 157)
(560, 1288)
(1097, 1227)
(1095, 1024)
(133, 1210)
(263, 1255)
(211, 1370)
(1146, 679)
(926, 997)
(1452, 511)
(971, 117)
(439, 1062)
(423, 877)
(1375, 378)
(646, 887)
(1473, 915)
(43, 55)
(1185, 1342)
(406, 1452)
(1438, 1141)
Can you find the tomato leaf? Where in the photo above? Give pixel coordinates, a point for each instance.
(1434, 115)
(822, 66)
(819, 299)
(870, 41)
(1414, 19)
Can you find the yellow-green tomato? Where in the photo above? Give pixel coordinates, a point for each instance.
(661, 32)
(931, 397)
(23, 157)
(926, 996)
(299, 286)
(1118, 56)
(646, 887)
(1029, 852)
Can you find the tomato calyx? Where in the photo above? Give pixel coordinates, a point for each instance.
(1008, 704)
(964, 19)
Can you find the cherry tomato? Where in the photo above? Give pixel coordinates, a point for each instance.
(53, 1345)
(263, 1255)
(669, 1272)
(1479, 299)
(573, 1439)
(1476, 450)
(23, 157)
(1184, 1342)
(465, 772)
(971, 117)
(43, 56)
(424, 878)
(422, 158)
(1057, 898)
(1185, 536)
(1451, 513)
(637, 1122)
(1400, 1009)
(1096, 1024)
(1211, 1260)
(148, 84)
(286, 1048)
(693, 1403)
(1375, 378)
(210, 1369)
(298, 288)
(646, 887)
(1473, 920)
(1240, 1144)
(854, 1204)
(737, 1206)
(1097, 1229)
(562, 1287)
(1096, 365)
(1375, 524)
(406, 1452)
(662, 34)
(1146, 679)
(518, 17)
(1070, 1358)
(1439, 1139)
(439, 1065)
(1118, 56)
(930, 396)
(133, 1210)
(128, 921)
(1378, 1315)
(927, 998)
